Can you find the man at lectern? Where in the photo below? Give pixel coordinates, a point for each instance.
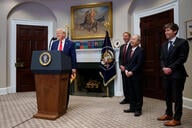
(68, 47)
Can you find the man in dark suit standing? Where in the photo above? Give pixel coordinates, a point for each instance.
(65, 45)
(133, 71)
(174, 54)
(124, 50)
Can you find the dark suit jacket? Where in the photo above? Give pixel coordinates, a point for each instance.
(135, 63)
(176, 58)
(121, 54)
(69, 49)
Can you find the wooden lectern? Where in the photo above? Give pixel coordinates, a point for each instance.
(52, 70)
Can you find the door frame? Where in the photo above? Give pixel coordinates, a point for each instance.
(147, 12)
(12, 30)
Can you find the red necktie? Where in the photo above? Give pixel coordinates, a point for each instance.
(124, 53)
(60, 46)
(131, 53)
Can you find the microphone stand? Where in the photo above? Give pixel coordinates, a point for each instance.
(50, 43)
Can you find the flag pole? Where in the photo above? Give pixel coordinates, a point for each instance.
(107, 91)
(67, 30)
(107, 26)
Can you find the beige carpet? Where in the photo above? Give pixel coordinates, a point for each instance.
(16, 111)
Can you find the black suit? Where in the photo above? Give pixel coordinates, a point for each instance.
(135, 65)
(122, 61)
(174, 83)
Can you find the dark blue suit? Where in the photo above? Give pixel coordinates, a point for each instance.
(174, 83)
(69, 49)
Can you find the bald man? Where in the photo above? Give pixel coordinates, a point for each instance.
(133, 71)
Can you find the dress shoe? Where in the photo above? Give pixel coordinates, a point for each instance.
(164, 117)
(124, 102)
(137, 113)
(172, 123)
(128, 111)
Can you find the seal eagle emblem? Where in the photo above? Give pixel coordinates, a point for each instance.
(45, 58)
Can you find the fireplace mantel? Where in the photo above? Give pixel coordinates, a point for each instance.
(88, 55)
(94, 55)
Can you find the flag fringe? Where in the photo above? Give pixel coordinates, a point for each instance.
(112, 78)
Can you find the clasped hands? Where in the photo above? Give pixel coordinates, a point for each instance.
(167, 71)
(128, 73)
(122, 68)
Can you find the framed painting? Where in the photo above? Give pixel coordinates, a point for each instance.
(189, 29)
(89, 21)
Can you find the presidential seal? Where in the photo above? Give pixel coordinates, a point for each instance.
(117, 44)
(45, 58)
(108, 58)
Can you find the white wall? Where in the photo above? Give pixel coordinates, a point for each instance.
(184, 15)
(58, 12)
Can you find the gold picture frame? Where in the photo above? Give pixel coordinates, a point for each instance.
(189, 29)
(89, 21)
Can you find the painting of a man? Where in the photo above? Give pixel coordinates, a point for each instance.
(89, 22)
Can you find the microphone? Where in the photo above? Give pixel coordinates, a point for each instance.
(54, 38)
(50, 43)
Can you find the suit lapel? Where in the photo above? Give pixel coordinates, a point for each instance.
(134, 53)
(65, 45)
(56, 44)
(122, 49)
(165, 48)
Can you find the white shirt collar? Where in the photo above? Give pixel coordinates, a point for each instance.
(127, 43)
(173, 39)
(133, 49)
(63, 41)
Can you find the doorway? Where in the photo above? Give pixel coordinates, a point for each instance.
(152, 36)
(28, 39)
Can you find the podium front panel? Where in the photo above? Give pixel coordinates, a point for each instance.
(58, 62)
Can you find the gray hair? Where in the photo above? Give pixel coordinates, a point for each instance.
(138, 37)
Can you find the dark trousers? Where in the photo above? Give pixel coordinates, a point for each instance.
(125, 86)
(136, 94)
(174, 92)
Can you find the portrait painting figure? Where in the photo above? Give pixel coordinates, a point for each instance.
(89, 22)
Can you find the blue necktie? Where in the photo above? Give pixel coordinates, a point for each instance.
(170, 46)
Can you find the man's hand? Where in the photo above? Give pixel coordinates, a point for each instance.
(73, 75)
(122, 68)
(167, 71)
(74, 71)
(128, 73)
